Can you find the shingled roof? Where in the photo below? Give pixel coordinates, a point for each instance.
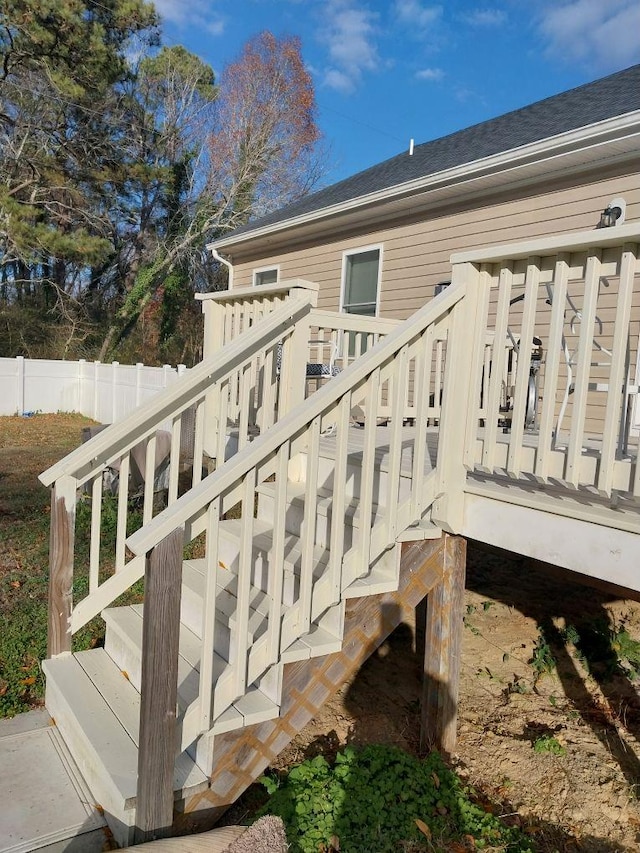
(593, 102)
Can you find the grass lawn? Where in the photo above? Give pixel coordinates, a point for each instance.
(27, 447)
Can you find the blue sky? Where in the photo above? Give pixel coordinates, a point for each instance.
(386, 72)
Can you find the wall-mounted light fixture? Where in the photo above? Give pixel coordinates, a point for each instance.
(613, 214)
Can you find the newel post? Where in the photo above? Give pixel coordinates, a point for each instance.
(159, 688)
(61, 546)
(212, 342)
(461, 394)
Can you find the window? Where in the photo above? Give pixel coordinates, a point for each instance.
(361, 281)
(267, 275)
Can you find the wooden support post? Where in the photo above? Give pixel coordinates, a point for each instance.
(159, 688)
(61, 545)
(443, 647)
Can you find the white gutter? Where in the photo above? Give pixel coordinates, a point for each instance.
(564, 143)
(218, 257)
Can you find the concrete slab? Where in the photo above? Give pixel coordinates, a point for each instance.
(44, 802)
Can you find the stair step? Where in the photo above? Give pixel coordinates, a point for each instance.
(317, 643)
(419, 531)
(295, 512)
(382, 576)
(97, 711)
(193, 590)
(263, 545)
(124, 645)
(254, 707)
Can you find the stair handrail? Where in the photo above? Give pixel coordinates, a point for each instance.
(117, 437)
(116, 442)
(191, 504)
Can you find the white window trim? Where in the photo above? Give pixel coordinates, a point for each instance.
(271, 267)
(347, 253)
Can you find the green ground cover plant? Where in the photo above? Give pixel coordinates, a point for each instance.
(380, 799)
(27, 447)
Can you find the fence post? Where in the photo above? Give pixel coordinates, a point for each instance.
(20, 383)
(167, 370)
(96, 365)
(139, 367)
(81, 378)
(114, 391)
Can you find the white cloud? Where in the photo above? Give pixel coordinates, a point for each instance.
(338, 80)
(484, 17)
(350, 36)
(602, 34)
(431, 74)
(195, 13)
(415, 14)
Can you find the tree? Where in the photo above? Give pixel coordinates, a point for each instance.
(264, 150)
(62, 67)
(115, 172)
(261, 153)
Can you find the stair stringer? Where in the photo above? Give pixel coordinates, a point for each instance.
(241, 756)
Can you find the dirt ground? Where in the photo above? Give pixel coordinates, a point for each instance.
(549, 714)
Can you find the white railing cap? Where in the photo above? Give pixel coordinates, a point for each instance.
(126, 433)
(574, 242)
(259, 290)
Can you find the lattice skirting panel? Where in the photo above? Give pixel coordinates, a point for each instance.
(242, 756)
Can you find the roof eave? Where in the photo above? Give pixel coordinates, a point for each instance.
(604, 131)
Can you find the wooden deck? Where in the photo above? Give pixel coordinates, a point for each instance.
(576, 528)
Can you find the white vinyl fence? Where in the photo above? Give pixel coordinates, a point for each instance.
(104, 392)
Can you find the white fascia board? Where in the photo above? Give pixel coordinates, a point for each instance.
(593, 134)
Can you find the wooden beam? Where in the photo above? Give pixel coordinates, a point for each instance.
(159, 687)
(61, 545)
(443, 647)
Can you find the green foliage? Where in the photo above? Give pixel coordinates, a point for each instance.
(371, 799)
(547, 743)
(604, 649)
(542, 660)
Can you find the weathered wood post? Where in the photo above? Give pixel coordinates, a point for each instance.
(159, 688)
(61, 546)
(442, 651)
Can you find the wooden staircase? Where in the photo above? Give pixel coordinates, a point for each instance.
(94, 696)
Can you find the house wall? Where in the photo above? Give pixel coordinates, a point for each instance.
(416, 253)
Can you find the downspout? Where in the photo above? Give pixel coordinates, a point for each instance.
(218, 257)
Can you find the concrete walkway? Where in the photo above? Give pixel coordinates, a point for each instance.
(45, 804)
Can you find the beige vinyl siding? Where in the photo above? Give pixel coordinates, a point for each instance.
(416, 254)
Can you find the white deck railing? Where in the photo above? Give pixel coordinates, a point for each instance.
(138, 444)
(563, 309)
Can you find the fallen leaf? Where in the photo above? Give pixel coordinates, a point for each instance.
(424, 829)
(29, 681)
(436, 779)
(16, 584)
(126, 674)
